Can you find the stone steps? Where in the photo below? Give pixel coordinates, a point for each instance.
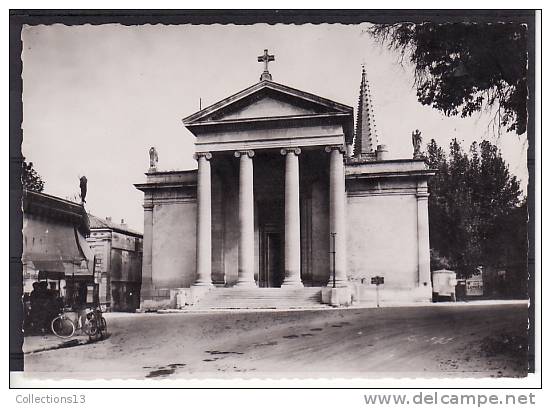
(260, 298)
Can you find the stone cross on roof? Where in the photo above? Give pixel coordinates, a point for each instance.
(266, 58)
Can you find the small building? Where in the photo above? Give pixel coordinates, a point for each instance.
(54, 245)
(118, 253)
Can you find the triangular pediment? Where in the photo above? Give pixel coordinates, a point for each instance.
(266, 100)
(265, 106)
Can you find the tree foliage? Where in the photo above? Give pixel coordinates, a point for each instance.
(462, 68)
(30, 178)
(475, 208)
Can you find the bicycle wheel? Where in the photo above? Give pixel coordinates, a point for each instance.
(63, 327)
(103, 326)
(93, 329)
(86, 327)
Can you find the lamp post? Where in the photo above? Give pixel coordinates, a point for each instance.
(333, 252)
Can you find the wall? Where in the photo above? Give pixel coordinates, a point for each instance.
(168, 244)
(320, 234)
(128, 242)
(126, 296)
(174, 231)
(125, 265)
(231, 229)
(100, 242)
(382, 232)
(128, 249)
(218, 200)
(125, 275)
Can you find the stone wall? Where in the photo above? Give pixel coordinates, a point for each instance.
(320, 237)
(169, 250)
(173, 262)
(383, 237)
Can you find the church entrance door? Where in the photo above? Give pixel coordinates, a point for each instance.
(271, 268)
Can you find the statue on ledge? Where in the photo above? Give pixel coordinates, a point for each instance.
(83, 189)
(153, 159)
(416, 140)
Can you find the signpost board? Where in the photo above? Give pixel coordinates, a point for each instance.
(377, 280)
(474, 286)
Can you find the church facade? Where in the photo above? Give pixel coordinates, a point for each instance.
(291, 204)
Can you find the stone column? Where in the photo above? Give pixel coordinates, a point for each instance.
(292, 218)
(246, 219)
(147, 260)
(423, 244)
(204, 239)
(337, 215)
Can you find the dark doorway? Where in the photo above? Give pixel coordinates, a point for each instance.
(270, 213)
(271, 268)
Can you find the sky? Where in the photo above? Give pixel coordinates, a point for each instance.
(96, 98)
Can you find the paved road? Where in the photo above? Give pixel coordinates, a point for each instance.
(473, 340)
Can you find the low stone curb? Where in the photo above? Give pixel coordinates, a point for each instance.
(77, 341)
(353, 306)
(64, 344)
(241, 310)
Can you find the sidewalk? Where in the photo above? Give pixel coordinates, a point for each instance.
(44, 342)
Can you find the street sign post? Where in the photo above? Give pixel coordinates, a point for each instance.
(377, 281)
(333, 253)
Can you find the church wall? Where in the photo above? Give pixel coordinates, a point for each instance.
(382, 232)
(320, 234)
(231, 230)
(256, 243)
(174, 229)
(218, 227)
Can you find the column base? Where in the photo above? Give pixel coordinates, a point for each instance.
(338, 284)
(208, 284)
(246, 284)
(336, 296)
(296, 284)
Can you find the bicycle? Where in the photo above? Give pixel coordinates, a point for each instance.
(97, 323)
(93, 325)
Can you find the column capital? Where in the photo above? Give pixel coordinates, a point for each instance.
(295, 150)
(240, 153)
(341, 148)
(422, 193)
(206, 155)
(148, 206)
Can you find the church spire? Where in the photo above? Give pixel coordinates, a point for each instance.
(366, 140)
